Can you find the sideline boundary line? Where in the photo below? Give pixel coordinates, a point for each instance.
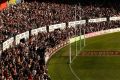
(73, 72)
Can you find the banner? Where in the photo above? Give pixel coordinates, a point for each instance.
(74, 23)
(71, 24)
(3, 4)
(56, 26)
(42, 29)
(63, 25)
(36, 31)
(12, 1)
(51, 28)
(97, 20)
(8, 43)
(114, 18)
(80, 22)
(21, 36)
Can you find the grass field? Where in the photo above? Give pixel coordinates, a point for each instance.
(88, 67)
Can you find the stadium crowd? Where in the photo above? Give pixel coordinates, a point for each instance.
(26, 16)
(26, 61)
(98, 12)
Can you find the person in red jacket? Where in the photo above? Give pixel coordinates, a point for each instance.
(30, 77)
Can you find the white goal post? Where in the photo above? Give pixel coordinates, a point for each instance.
(72, 40)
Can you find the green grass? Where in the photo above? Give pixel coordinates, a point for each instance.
(88, 67)
(104, 42)
(97, 68)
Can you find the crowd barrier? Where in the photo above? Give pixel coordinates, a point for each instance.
(9, 43)
(72, 40)
(52, 51)
(102, 32)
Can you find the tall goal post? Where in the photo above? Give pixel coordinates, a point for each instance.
(76, 48)
(76, 40)
(70, 56)
(84, 39)
(75, 35)
(70, 51)
(80, 40)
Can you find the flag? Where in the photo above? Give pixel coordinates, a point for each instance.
(12, 1)
(3, 4)
(18, 1)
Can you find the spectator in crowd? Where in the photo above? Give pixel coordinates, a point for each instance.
(26, 61)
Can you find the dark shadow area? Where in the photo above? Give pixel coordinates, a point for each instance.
(101, 3)
(2, 1)
(83, 2)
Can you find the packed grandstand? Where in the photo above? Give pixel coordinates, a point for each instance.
(26, 60)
